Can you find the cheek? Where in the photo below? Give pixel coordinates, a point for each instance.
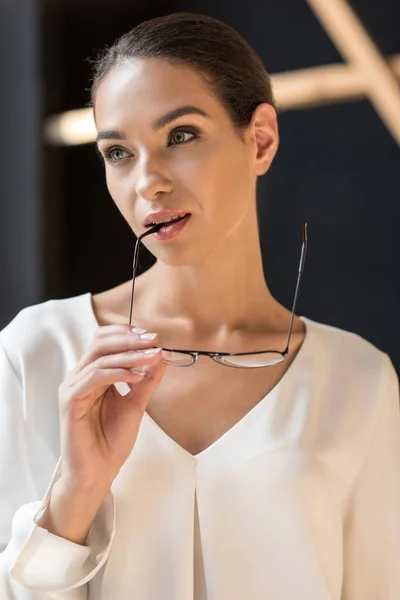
(118, 190)
(113, 182)
(225, 184)
(209, 171)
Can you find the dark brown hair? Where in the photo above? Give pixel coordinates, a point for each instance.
(215, 50)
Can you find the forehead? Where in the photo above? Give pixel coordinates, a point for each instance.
(141, 90)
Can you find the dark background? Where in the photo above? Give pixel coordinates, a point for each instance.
(337, 166)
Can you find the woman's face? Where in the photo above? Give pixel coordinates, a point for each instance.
(196, 162)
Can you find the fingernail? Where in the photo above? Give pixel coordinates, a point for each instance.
(137, 330)
(148, 337)
(122, 387)
(151, 351)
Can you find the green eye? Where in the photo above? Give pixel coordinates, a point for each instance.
(113, 155)
(178, 135)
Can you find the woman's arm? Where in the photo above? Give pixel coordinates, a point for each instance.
(372, 519)
(35, 563)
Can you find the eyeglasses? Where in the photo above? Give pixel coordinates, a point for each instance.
(262, 358)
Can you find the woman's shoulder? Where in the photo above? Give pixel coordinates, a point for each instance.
(63, 325)
(350, 364)
(344, 345)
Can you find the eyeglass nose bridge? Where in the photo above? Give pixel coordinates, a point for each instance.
(195, 355)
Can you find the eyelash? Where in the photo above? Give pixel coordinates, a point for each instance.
(191, 130)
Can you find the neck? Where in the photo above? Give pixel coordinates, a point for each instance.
(226, 293)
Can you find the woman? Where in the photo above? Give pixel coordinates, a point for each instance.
(206, 482)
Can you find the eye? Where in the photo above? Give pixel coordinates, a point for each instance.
(178, 135)
(115, 154)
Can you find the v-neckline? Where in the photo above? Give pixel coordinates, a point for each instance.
(289, 373)
(251, 414)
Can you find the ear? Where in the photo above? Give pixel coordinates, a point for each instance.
(264, 128)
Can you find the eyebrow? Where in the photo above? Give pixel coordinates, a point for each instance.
(158, 124)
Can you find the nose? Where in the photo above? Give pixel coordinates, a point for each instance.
(151, 179)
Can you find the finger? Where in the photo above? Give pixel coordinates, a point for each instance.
(153, 375)
(127, 360)
(95, 382)
(114, 344)
(141, 392)
(106, 330)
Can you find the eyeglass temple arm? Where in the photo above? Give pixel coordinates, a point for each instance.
(136, 260)
(301, 269)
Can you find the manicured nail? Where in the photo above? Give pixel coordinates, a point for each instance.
(151, 351)
(137, 330)
(122, 387)
(148, 337)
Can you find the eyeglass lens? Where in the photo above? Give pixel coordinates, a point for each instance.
(265, 359)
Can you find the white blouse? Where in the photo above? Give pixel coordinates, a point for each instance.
(300, 500)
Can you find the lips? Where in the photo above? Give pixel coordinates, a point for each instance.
(170, 230)
(156, 217)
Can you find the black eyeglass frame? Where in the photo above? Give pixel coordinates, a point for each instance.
(214, 355)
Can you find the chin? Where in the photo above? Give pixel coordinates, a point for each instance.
(183, 257)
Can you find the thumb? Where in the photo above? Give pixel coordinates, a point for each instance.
(153, 375)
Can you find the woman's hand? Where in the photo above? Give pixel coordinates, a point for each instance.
(98, 426)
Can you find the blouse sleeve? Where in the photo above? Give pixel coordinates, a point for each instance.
(372, 519)
(34, 563)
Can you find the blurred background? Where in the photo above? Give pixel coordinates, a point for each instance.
(336, 72)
